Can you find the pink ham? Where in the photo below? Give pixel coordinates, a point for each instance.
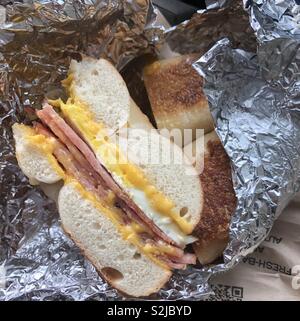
(186, 258)
(170, 263)
(79, 160)
(71, 165)
(54, 121)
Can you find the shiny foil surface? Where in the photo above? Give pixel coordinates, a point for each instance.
(200, 33)
(253, 95)
(274, 18)
(257, 116)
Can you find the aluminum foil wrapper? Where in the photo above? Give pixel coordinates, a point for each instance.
(273, 19)
(37, 42)
(216, 4)
(200, 33)
(253, 97)
(256, 110)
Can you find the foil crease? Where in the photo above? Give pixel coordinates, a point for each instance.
(257, 116)
(253, 97)
(216, 4)
(200, 33)
(271, 19)
(37, 42)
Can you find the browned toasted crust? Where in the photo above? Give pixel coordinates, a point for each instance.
(219, 196)
(174, 85)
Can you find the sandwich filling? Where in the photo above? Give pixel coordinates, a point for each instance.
(145, 195)
(75, 155)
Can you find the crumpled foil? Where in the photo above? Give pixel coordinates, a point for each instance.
(37, 43)
(200, 33)
(256, 110)
(273, 19)
(216, 4)
(254, 99)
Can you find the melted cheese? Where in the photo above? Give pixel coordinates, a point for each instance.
(165, 223)
(128, 232)
(121, 169)
(45, 144)
(151, 69)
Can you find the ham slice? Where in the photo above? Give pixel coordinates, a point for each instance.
(88, 170)
(170, 263)
(186, 258)
(178, 262)
(78, 159)
(54, 121)
(70, 164)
